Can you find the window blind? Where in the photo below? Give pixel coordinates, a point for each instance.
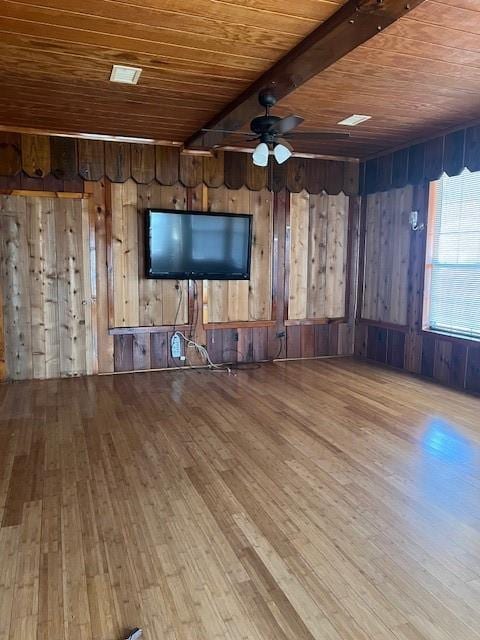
(454, 304)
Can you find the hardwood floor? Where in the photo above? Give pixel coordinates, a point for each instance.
(319, 499)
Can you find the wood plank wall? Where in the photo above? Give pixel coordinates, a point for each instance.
(31, 159)
(238, 321)
(425, 161)
(389, 320)
(45, 278)
(318, 256)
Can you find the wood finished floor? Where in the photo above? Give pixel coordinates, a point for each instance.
(321, 499)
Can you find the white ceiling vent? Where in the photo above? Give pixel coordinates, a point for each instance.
(352, 121)
(125, 75)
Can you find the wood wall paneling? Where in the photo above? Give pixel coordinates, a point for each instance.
(91, 159)
(167, 164)
(10, 154)
(161, 302)
(143, 163)
(36, 155)
(387, 254)
(125, 243)
(63, 154)
(64, 162)
(318, 256)
(117, 161)
(45, 279)
(108, 232)
(472, 148)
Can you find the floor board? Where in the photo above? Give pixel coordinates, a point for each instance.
(327, 500)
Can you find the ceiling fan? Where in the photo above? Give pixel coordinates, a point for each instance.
(274, 133)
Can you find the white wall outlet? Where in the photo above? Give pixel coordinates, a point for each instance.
(175, 346)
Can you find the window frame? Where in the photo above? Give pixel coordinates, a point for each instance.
(427, 276)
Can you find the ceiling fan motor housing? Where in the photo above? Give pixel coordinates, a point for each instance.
(263, 124)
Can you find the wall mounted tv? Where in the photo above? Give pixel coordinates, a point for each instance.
(197, 246)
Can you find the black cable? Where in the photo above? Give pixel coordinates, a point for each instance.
(280, 347)
(178, 288)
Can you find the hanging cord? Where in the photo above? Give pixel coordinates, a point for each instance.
(202, 351)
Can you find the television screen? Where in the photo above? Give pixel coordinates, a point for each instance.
(204, 246)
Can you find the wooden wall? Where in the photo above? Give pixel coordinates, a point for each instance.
(132, 318)
(424, 161)
(45, 279)
(389, 320)
(30, 159)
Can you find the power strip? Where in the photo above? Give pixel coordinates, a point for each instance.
(176, 346)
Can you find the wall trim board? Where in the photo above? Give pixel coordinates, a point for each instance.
(424, 161)
(68, 195)
(314, 321)
(69, 159)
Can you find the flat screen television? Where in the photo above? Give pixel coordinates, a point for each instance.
(197, 246)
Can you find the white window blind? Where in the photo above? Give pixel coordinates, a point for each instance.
(454, 269)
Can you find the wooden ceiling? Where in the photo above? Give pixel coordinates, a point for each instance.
(197, 56)
(419, 77)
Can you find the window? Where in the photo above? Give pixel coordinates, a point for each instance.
(452, 277)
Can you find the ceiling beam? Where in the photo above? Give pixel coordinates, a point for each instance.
(353, 24)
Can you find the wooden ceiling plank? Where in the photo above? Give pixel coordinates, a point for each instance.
(81, 26)
(249, 32)
(354, 23)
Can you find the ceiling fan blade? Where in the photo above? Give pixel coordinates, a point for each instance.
(317, 135)
(232, 133)
(286, 124)
(217, 147)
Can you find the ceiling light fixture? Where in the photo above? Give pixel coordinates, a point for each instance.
(352, 121)
(282, 152)
(125, 75)
(260, 155)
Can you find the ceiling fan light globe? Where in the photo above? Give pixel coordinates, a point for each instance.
(260, 155)
(281, 153)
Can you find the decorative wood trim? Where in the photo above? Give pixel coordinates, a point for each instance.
(120, 331)
(45, 194)
(241, 324)
(313, 321)
(451, 337)
(383, 325)
(431, 215)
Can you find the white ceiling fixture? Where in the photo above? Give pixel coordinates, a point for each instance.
(125, 75)
(352, 121)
